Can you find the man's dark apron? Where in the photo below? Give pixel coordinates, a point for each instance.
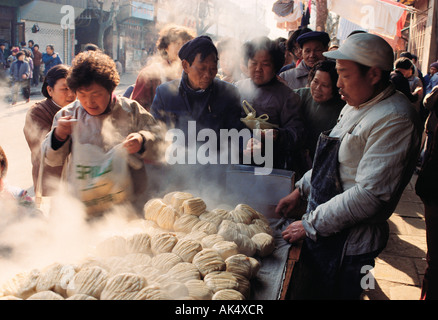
(321, 260)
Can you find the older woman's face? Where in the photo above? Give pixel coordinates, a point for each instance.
(321, 87)
(261, 68)
(61, 94)
(94, 98)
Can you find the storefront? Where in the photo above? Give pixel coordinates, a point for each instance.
(8, 26)
(137, 34)
(45, 23)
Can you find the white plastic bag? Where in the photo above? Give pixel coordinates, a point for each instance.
(100, 179)
(253, 122)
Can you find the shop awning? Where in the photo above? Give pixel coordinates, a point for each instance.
(385, 17)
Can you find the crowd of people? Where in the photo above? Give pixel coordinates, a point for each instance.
(21, 69)
(348, 120)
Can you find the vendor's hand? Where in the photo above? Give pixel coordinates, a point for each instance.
(294, 232)
(24, 76)
(64, 128)
(133, 143)
(287, 204)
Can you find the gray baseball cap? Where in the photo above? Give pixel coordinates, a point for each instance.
(367, 49)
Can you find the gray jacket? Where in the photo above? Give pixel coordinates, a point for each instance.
(296, 78)
(17, 70)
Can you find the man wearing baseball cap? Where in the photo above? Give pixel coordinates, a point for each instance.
(312, 44)
(360, 170)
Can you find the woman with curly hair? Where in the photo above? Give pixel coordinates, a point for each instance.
(101, 119)
(163, 67)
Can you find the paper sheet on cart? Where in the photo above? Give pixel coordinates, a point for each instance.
(268, 284)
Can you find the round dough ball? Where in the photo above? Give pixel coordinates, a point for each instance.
(226, 248)
(81, 297)
(228, 294)
(152, 292)
(163, 242)
(165, 261)
(220, 280)
(195, 235)
(176, 290)
(184, 272)
(264, 243)
(10, 298)
(89, 281)
(22, 285)
(187, 249)
(167, 218)
(240, 214)
(150, 273)
(244, 229)
(264, 225)
(139, 243)
(46, 295)
(178, 199)
(215, 216)
(113, 246)
(55, 278)
(239, 264)
(246, 245)
(152, 209)
(185, 223)
(205, 226)
(167, 199)
(208, 260)
(228, 230)
(255, 266)
(198, 290)
(194, 206)
(248, 210)
(244, 285)
(123, 287)
(210, 240)
(136, 259)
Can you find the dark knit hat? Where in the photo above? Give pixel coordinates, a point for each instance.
(199, 44)
(434, 65)
(314, 35)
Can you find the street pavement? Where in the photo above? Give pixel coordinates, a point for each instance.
(399, 268)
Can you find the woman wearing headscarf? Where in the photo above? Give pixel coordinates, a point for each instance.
(163, 67)
(39, 120)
